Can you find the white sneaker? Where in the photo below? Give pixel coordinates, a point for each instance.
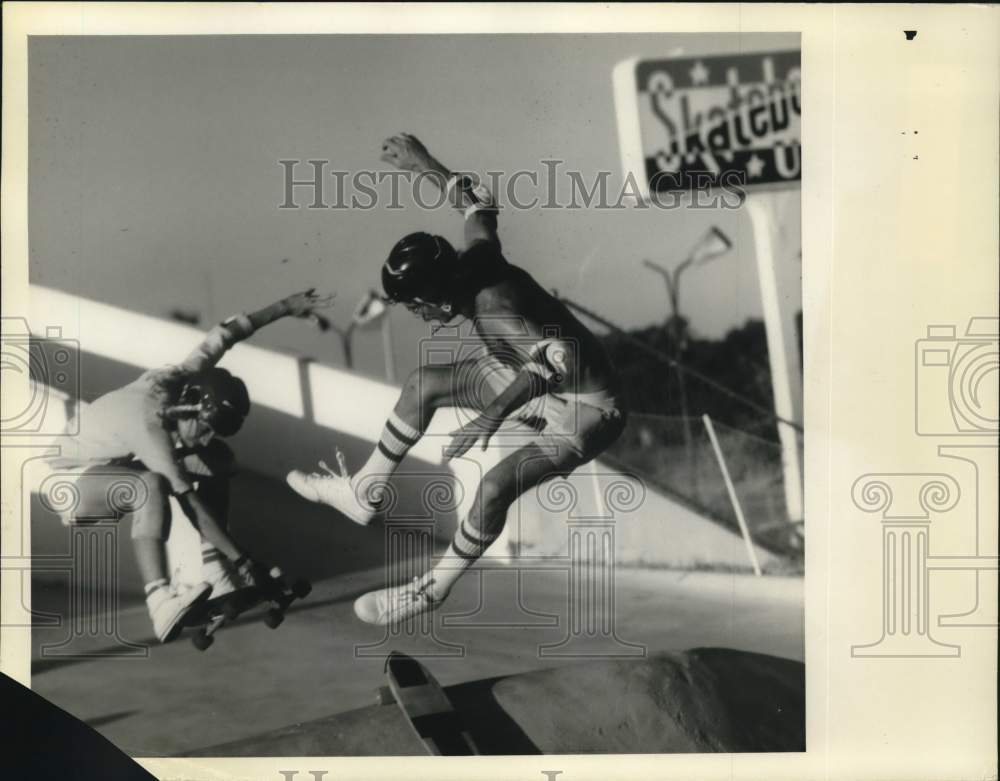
(333, 489)
(169, 604)
(398, 603)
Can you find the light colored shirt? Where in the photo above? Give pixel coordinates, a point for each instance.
(127, 424)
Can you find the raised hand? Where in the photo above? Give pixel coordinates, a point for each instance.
(406, 152)
(463, 439)
(306, 303)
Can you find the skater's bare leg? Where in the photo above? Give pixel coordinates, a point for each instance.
(148, 495)
(522, 470)
(425, 391)
(212, 468)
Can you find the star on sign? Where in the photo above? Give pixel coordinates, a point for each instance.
(699, 73)
(755, 167)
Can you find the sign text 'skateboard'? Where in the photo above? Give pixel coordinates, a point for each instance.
(698, 122)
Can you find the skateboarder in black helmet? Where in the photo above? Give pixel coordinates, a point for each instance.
(540, 367)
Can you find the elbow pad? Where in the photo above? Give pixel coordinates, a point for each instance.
(550, 360)
(227, 333)
(237, 327)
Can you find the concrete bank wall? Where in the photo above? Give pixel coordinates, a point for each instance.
(303, 410)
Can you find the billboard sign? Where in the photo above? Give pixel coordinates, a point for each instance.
(689, 123)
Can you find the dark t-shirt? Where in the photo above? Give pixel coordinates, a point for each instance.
(480, 266)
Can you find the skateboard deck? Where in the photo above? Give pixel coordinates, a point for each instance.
(211, 616)
(426, 707)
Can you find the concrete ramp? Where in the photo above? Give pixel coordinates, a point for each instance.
(702, 700)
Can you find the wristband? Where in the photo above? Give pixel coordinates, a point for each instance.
(478, 195)
(245, 323)
(479, 207)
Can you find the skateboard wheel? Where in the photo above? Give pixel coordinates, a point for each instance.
(202, 642)
(274, 618)
(383, 696)
(302, 588)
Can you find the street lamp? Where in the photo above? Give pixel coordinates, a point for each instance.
(713, 244)
(371, 310)
(710, 246)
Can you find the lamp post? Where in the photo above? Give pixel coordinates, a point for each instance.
(345, 334)
(371, 310)
(710, 246)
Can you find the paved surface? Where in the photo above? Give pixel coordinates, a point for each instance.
(705, 700)
(322, 661)
(254, 680)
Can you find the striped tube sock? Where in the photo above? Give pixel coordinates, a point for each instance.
(210, 554)
(468, 544)
(153, 585)
(213, 563)
(397, 438)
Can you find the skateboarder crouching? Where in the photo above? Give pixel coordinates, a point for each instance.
(538, 364)
(158, 437)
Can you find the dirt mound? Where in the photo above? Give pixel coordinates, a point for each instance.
(703, 700)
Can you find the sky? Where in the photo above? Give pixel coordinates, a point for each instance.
(154, 180)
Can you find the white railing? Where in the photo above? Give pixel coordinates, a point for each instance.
(303, 409)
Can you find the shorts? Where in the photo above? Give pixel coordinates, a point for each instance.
(91, 493)
(576, 427)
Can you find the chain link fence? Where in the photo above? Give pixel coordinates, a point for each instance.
(675, 455)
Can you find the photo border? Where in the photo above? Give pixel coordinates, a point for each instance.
(865, 718)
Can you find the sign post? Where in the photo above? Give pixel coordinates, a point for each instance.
(690, 125)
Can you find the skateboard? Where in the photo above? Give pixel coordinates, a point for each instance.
(209, 617)
(426, 707)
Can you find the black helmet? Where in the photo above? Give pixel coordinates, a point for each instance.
(222, 400)
(421, 267)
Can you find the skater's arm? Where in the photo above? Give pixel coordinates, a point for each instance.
(474, 201)
(207, 524)
(526, 386)
(240, 327)
(477, 204)
(303, 305)
(545, 371)
(152, 445)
